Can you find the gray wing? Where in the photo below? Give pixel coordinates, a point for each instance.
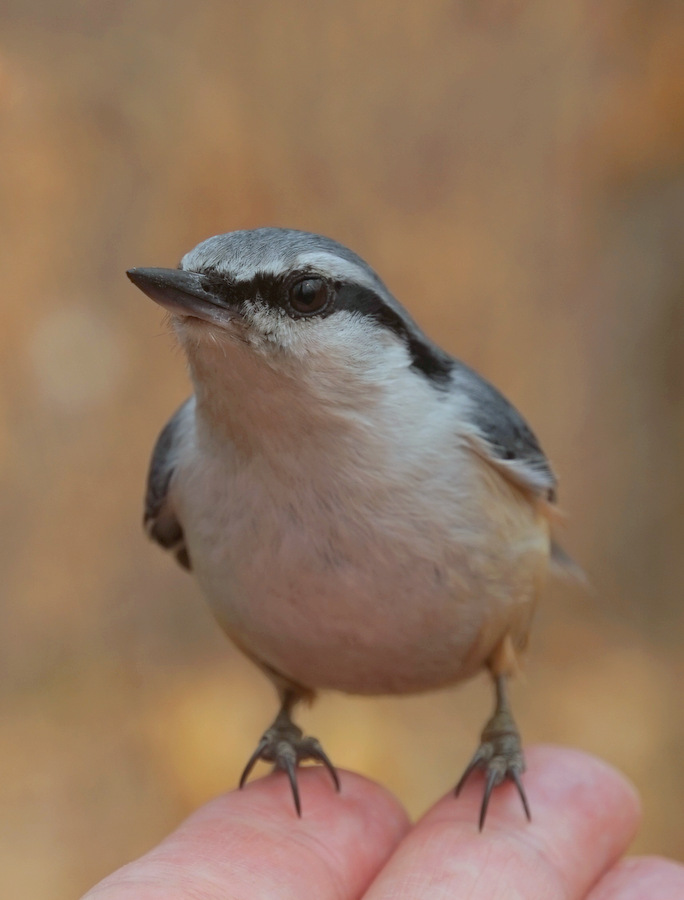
(510, 442)
(160, 520)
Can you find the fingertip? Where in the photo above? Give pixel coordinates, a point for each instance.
(641, 878)
(250, 842)
(584, 814)
(565, 774)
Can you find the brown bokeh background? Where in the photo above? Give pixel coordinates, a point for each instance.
(515, 171)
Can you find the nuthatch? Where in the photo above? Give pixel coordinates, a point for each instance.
(363, 512)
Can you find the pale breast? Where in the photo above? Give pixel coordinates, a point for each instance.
(353, 581)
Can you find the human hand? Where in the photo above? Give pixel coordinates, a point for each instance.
(359, 843)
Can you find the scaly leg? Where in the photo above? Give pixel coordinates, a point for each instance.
(284, 745)
(500, 752)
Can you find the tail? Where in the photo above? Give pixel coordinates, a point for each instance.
(564, 565)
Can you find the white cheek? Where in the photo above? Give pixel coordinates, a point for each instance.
(345, 338)
(340, 339)
(347, 352)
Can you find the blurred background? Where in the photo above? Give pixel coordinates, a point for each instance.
(515, 171)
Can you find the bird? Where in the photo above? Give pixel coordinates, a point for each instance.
(363, 512)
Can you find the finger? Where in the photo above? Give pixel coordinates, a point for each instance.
(583, 816)
(250, 843)
(646, 878)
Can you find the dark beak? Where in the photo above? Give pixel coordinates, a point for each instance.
(182, 293)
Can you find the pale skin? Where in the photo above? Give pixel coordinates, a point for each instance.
(359, 844)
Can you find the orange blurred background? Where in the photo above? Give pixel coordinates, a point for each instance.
(515, 172)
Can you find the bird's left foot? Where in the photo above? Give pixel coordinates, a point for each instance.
(284, 745)
(499, 755)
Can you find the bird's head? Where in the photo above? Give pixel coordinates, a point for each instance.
(289, 296)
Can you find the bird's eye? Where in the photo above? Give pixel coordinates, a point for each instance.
(309, 296)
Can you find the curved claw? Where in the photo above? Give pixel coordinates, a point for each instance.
(284, 746)
(317, 752)
(515, 777)
(496, 769)
(492, 780)
(288, 765)
(251, 762)
(472, 765)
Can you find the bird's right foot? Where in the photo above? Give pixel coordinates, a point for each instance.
(285, 745)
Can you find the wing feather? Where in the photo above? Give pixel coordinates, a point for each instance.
(160, 520)
(504, 438)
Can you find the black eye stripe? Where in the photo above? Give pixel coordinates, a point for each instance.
(275, 292)
(426, 357)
